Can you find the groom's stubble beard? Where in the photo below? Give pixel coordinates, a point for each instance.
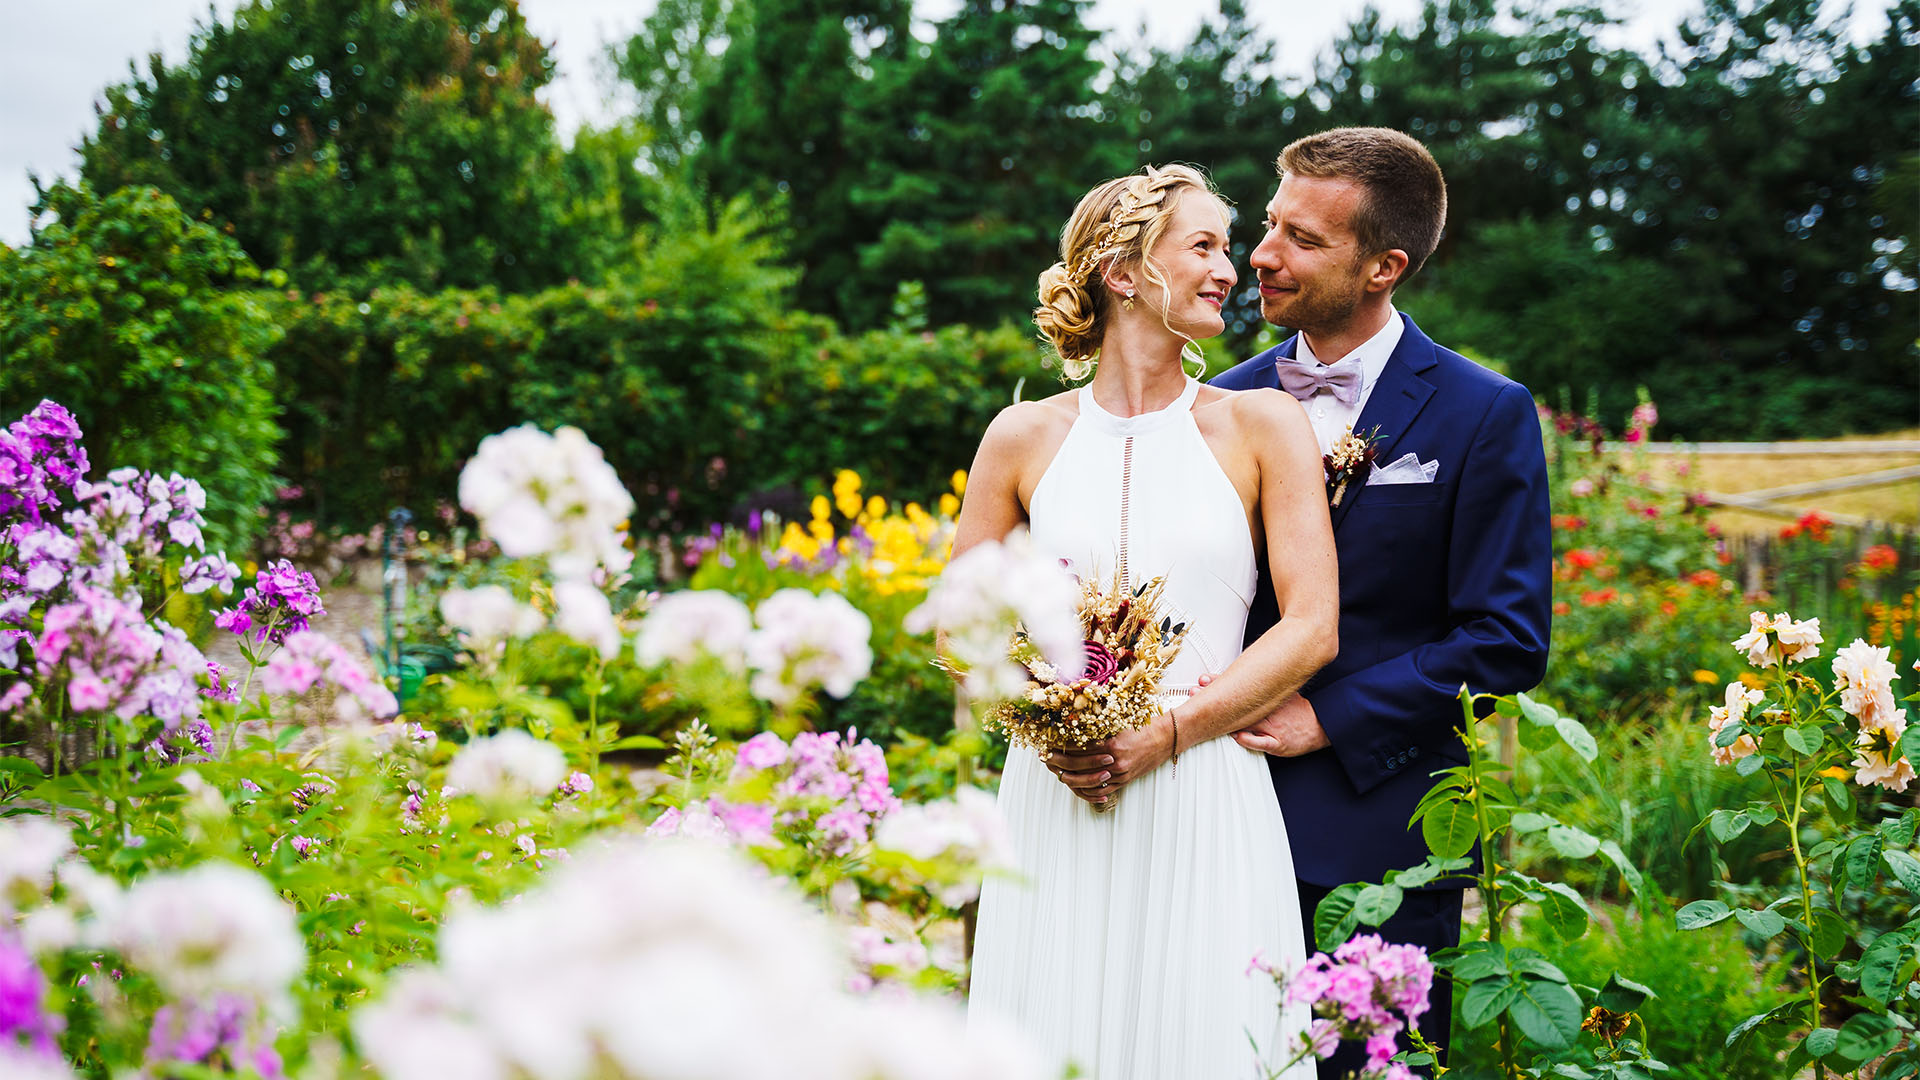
(1317, 309)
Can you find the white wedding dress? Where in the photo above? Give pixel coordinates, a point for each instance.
(1123, 944)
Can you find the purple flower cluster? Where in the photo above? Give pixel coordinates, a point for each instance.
(831, 791)
(221, 1033)
(22, 990)
(40, 460)
(1367, 990)
(311, 657)
(116, 660)
(281, 602)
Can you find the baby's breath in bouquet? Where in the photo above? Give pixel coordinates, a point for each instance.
(1129, 645)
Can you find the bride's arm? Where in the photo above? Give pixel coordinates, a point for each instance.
(992, 506)
(1301, 563)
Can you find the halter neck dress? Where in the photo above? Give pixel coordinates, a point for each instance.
(1122, 944)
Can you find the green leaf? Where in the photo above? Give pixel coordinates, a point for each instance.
(1575, 735)
(1910, 742)
(1547, 1012)
(1803, 740)
(1840, 800)
(1474, 962)
(1487, 999)
(1749, 765)
(1572, 843)
(1863, 860)
(1333, 919)
(1865, 1036)
(1527, 821)
(1450, 829)
(1622, 995)
(1898, 831)
(1906, 868)
(1529, 962)
(1701, 913)
(1377, 903)
(1764, 923)
(1537, 712)
(638, 742)
(1881, 962)
(1564, 910)
(1628, 871)
(1729, 734)
(1724, 825)
(1757, 1020)
(1829, 933)
(1821, 1041)
(1415, 876)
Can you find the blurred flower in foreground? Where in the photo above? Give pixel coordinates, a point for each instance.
(804, 640)
(985, 596)
(647, 959)
(553, 495)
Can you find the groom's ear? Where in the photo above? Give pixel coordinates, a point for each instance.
(1386, 270)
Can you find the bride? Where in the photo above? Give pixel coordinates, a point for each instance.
(1123, 945)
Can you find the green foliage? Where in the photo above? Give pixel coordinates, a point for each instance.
(704, 394)
(1706, 983)
(359, 142)
(139, 320)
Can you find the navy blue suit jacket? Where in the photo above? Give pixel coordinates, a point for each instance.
(1440, 584)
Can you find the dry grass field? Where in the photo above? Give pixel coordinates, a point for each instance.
(1896, 503)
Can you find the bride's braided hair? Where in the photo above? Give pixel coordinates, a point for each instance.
(1116, 223)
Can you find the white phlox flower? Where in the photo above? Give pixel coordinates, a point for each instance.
(804, 640)
(583, 613)
(488, 613)
(30, 849)
(986, 594)
(553, 495)
(682, 625)
(211, 928)
(509, 765)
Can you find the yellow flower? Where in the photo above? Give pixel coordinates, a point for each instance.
(846, 482)
(949, 506)
(822, 509)
(796, 543)
(1705, 677)
(1836, 773)
(959, 481)
(821, 530)
(876, 507)
(1752, 681)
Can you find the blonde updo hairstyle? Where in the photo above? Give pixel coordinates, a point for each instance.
(1115, 225)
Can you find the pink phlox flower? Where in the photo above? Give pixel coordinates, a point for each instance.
(750, 823)
(842, 829)
(763, 751)
(1380, 1049)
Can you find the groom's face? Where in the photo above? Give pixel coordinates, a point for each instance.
(1312, 275)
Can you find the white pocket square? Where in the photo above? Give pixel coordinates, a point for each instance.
(1407, 469)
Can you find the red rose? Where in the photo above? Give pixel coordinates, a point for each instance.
(1101, 664)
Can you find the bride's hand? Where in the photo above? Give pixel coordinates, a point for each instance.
(1099, 773)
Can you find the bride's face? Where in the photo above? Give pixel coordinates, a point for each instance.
(1193, 261)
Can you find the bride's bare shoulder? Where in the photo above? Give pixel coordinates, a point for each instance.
(1022, 427)
(1256, 412)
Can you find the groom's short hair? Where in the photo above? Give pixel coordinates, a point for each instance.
(1405, 200)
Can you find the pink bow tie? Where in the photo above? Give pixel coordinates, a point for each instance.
(1303, 378)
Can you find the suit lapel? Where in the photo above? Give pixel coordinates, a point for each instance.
(1393, 404)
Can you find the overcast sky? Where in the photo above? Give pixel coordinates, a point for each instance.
(56, 56)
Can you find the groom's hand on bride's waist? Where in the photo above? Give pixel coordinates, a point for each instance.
(1289, 731)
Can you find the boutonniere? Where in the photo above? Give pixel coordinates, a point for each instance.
(1352, 455)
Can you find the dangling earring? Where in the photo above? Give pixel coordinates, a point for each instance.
(1127, 302)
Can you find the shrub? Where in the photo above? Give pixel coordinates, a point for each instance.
(1705, 980)
(124, 309)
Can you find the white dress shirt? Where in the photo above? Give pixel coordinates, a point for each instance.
(1331, 419)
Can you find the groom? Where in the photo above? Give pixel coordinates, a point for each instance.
(1444, 546)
